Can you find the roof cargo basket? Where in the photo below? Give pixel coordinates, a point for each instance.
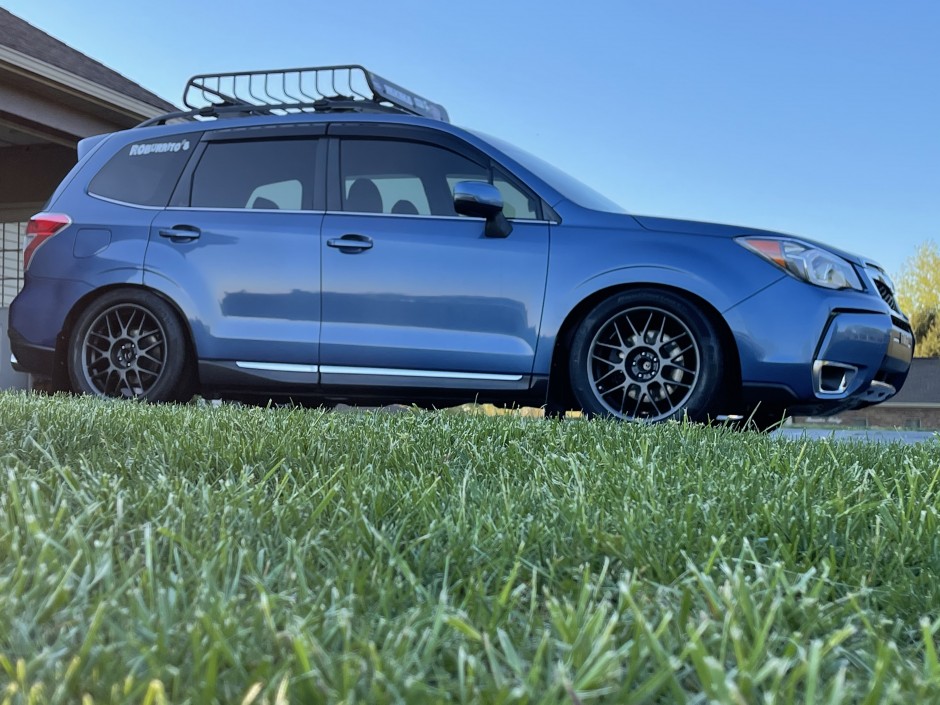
(350, 87)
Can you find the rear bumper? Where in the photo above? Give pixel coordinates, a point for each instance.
(32, 359)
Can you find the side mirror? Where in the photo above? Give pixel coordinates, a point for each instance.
(479, 199)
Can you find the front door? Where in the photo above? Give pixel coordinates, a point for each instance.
(414, 294)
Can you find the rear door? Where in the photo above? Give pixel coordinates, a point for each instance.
(238, 249)
(413, 294)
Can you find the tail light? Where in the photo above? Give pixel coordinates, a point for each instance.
(41, 227)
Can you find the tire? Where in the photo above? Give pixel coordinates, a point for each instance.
(129, 344)
(647, 355)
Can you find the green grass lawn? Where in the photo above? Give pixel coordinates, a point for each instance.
(192, 554)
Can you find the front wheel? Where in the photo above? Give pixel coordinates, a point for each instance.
(128, 344)
(647, 355)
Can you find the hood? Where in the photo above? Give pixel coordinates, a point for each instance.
(694, 227)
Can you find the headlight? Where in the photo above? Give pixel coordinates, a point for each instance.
(804, 262)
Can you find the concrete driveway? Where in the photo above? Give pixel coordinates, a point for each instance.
(859, 434)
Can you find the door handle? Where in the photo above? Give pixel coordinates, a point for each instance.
(180, 233)
(351, 243)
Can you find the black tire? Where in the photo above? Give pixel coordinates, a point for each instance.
(129, 344)
(647, 355)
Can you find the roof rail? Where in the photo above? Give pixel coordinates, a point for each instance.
(317, 88)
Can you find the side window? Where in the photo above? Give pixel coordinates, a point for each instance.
(400, 177)
(284, 195)
(145, 173)
(399, 194)
(517, 203)
(269, 174)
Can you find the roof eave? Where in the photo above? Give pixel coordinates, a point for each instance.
(78, 86)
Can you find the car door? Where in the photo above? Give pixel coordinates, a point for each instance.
(239, 250)
(413, 294)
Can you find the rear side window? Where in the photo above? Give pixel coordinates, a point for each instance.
(144, 173)
(275, 174)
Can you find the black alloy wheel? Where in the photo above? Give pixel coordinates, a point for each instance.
(128, 344)
(646, 355)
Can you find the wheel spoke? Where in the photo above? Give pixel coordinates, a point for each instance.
(623, 385)
(639, 403)
(605, 359)
(681, 352)
(109, 387)
(146, 348)
(623, 398)
(662, 329)
(619, 336)
(607, 374)
(119, 322)
(102, 373)
(155, 333)
(636, 333)
(679, 367)
(108, 325)
(652, 398)
(139, 389)
(105, 338)
(150, 358)
(98, 349)
(609, 345)
(130, 323)
(646, 327)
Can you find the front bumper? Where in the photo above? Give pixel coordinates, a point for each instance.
(817, 352)
(863, 359)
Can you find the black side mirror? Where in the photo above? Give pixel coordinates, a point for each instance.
(479, 199)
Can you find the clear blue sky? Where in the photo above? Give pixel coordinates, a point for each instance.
(818, 118)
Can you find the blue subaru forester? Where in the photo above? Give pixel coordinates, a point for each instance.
(324, 233)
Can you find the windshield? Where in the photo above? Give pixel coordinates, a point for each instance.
(568, 186)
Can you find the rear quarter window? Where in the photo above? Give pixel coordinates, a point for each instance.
(144, 173)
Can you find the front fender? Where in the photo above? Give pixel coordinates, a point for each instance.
(582, 269)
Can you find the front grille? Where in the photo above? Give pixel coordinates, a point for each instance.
(884, 285)
(885, 291)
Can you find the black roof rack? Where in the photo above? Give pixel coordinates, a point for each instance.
(316, 88)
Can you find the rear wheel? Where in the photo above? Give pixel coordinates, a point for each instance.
(129, 344)
(647, 355)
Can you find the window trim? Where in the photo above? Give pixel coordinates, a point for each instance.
(182, 195)
(341, 132)
(408, 133)
(337, 131)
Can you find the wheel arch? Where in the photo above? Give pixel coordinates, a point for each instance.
(60, 379)
(560, 395)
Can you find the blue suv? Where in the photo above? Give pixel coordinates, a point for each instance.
(325, 233)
